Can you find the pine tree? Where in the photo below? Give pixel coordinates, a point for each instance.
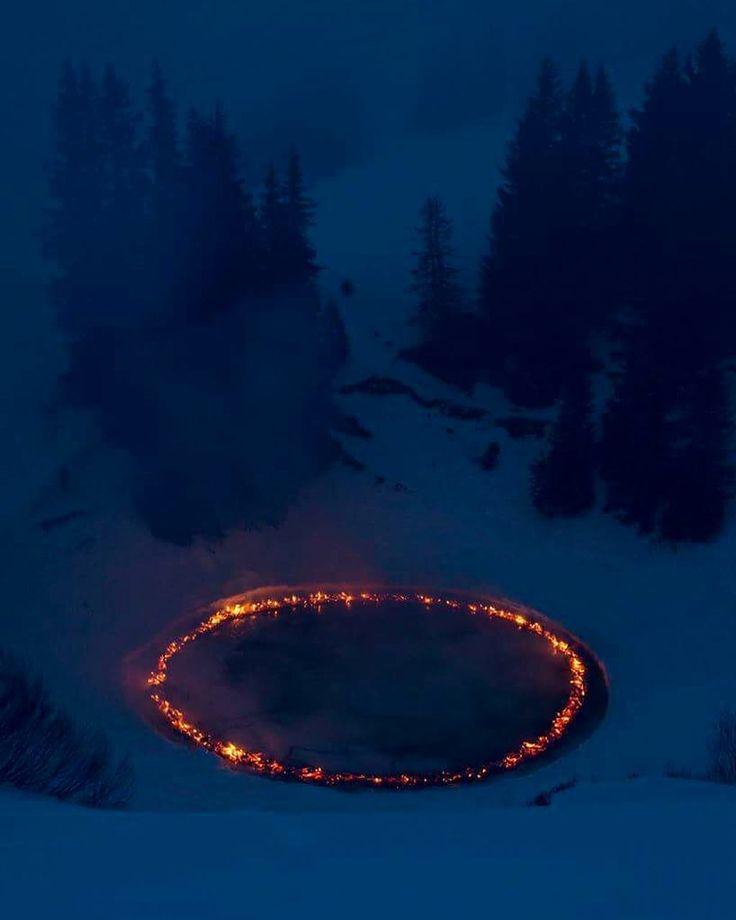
(272, 221)
(121, 149)
(296, 263)
(633, 452)
(708, 231)
(122, 228)
(163, 142)
(75, 217)
(698, 473)
(548, 281)
(136, 223)
(518, 276)
(165, 243)
(656, 174)
(563, 480)
(635, 427)
(222, 258)
(679, 201)
(609, 140)
(435, 275)
(585, 245)
(666, 434)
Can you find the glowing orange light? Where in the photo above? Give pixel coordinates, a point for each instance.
(263, 764)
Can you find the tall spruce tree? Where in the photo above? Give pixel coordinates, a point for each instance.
(679, 199)
(635, 422)
(65, 177)
(656, 175)
(517, 276)
(699, 475)
(75, 216)
(95, 227)
(434, 275)
(563, 478)
(708, 248)
(296, 264)
(222, 255)
(272, 221)
(547, 283)
(590, 174)
(635, 433)
(165, 243)
(122, 230)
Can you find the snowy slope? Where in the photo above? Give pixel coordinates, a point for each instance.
(661, 622)
(667, 855)
(80, 597)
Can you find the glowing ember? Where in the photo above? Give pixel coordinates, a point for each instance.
(263, 764)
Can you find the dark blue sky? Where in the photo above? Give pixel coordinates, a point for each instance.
(349, 75)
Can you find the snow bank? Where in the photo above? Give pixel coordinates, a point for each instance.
(649, 850)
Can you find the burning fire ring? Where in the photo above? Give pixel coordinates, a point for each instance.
(263, 765)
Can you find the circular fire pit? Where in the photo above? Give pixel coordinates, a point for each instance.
(382, 690)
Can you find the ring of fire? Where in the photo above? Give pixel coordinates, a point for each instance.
(262, 764)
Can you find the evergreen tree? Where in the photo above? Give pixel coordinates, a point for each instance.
(94, 229)
(698, 474)
(609, 140)
(655, 176)
(159, 241)
(585, 244)
(633, 453)
(435, 275)
(163, 142)
(75, 217)
(272, 220)
(666, 435)
(165, 242)
(563, 482)
(517, 275)
(121, 230)
(680, 287)
(681, 190)
(547, 284)
(221, 225)
(296, 263)
(635, 428)
(708, 248)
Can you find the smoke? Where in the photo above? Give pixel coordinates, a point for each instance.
(225, 421)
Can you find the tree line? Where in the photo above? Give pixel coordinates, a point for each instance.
(609, 280)
(175, 284)
(145, 224)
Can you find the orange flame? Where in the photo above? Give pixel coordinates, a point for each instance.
(263, 764)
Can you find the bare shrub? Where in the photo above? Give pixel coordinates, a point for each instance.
(42, 750)
(544, 798)
(722, 751)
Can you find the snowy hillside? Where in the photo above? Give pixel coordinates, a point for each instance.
(660, 850)
(201, 841)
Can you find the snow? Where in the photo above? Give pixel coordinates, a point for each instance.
(201, 840)
(666, 854)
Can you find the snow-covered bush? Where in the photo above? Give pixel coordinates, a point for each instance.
(43, 751)
(722, 753)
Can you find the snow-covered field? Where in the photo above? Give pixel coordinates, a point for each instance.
(626, 842)
(617, 851)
